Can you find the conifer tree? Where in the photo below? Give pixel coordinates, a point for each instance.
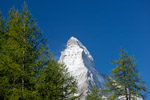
(55, 83)
(94, 95)
(35, 51)
(26, 54)
(125, 80)
(26, 69)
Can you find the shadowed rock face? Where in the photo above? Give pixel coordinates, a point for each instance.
(80, 64)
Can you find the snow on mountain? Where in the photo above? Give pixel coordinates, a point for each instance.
(80, 64)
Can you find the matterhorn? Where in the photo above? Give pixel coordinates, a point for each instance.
(80, 65)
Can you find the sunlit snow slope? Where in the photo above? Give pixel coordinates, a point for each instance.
(80, 64)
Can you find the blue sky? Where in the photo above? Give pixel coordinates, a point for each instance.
(103, 26)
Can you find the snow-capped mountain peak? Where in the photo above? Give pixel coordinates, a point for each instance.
(72, 42)
(75, 43)
(80, 64)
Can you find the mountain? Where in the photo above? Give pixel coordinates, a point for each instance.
(80, 64)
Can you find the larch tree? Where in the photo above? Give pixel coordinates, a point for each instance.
(125, 81)
(25, 53)
(27, 70)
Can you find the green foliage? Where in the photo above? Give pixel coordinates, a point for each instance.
(125, 79)
(55, 82)
(23, 55)
(95, 94)
(4, 80)
(27, 71)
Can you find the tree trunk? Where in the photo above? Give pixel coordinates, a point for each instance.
(23, 66)
(126, 90)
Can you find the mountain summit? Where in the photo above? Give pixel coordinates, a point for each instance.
(81, 66)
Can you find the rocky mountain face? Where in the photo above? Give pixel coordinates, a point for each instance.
(80, 64)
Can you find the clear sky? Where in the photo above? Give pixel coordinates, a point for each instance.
(103, 26)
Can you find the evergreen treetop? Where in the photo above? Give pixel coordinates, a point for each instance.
(125, 80)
